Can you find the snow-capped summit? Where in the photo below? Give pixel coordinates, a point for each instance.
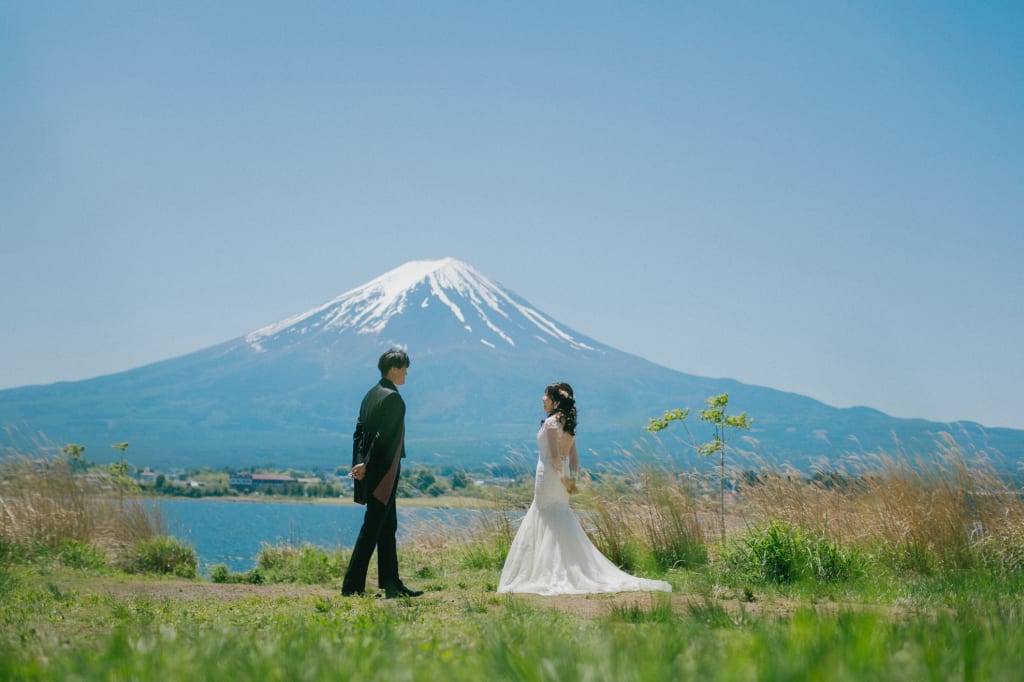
(425, 295)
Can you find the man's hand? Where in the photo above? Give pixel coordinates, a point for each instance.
(358, 472)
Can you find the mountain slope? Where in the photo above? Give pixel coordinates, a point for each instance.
(288, 393)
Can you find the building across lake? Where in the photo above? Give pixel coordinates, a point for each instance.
(250, 481)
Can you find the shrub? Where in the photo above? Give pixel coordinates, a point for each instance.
(305, 564)
(253, 577)
(164, 555)
(75, 554)
(221, 574)
(781, 553)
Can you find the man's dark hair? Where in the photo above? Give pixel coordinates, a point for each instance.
(391, 359)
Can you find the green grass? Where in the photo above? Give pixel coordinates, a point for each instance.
(75, 554)
(782, 553)
(305, 563)
(60, 623)
(163, 554)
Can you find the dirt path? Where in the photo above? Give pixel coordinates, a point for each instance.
(588, 606)
(189, 590)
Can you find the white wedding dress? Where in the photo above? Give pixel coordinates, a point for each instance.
(551, 554)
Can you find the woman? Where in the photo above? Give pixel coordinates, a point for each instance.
(550, 553)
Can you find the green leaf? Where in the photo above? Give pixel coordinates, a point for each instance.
(654, 425)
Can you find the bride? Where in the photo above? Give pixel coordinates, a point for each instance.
(551, 554)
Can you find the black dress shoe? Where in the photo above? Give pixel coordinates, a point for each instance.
(403, 591)
(352, 593)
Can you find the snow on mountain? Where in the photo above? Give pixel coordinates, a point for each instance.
(481, 307)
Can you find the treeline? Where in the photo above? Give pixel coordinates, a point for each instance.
(417, 481)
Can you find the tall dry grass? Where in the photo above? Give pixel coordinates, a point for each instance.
(952, 510)
(43, 506)
(656, 516)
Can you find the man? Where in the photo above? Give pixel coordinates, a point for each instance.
(378, 446)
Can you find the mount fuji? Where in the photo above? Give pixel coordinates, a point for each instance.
(288, 393)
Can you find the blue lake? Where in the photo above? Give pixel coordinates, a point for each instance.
(231, 533)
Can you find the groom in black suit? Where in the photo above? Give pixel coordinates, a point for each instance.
(378, 446)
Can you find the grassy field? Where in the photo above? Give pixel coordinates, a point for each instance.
(891, 572)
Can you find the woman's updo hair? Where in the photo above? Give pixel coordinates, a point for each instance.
(563, 403)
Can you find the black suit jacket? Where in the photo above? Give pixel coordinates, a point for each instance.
(379, 435)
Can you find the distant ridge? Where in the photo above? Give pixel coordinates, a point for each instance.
(287, 393)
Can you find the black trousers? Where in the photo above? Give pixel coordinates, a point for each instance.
(378, 532)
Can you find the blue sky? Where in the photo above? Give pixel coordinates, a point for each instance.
(819, 197)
